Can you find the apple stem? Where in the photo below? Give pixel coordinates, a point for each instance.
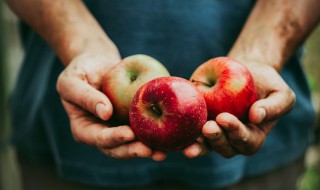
(196, 81)
(133, 78)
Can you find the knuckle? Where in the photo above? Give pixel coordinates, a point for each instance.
(251, 150)
(114, 153)
(108, 138)
(59, 84)
(123, 138)
(111, 153)
(136, 149)
(239, 142)
(121, 152)
(292, 97)
(116, 136)
(221, 146)
(102, 139)
(124, 133)
(274, 112)
(77, 137)
(228, 154)
(94, 80)
(240, 136)
(133, 154)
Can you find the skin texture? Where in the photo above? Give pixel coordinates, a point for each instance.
(271, 34)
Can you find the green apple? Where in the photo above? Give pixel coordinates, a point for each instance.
(124, 79)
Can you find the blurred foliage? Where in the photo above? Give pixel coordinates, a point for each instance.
(312, 60)
(2, 84)
(310, 180)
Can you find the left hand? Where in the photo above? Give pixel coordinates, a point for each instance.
(228, 136)
(89, 110)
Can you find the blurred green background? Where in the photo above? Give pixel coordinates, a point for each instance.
(311, 178)
(10, 58)
(312, 60)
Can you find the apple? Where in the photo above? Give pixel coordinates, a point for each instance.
(124, 80)
(226, 85)
(168, 113)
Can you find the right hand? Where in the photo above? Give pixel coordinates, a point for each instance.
(89, 109)
(228, 136)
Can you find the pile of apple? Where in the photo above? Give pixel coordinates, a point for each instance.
(168, 113)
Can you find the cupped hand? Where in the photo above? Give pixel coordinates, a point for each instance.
(228, 136)
(89, 109)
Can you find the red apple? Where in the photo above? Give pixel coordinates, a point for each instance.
(226, 85)
(168, 113)
(124, 80)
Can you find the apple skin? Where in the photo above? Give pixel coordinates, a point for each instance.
(124, 80)
(227, 86)
(168, 113)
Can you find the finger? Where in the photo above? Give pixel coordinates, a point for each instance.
(211, 130)
(90, 131)
(246, 140)
(128, 151)
(100, 136)
(193, 150)
(114, 141)
(103, 137)
(79, 92)
(217, 140)
(272, 107)
(158, 156)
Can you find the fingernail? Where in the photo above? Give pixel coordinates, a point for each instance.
(101, 110)
(214, 136)
(195, 151)
(158, 156)
(262, 114)
(224, 124)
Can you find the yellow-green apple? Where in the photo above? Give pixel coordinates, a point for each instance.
(226, 85)
(168, 113)
(124, 80)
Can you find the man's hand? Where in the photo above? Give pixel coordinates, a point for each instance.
(89, 109)
(272, 33)
(88, 53)
(228, 136)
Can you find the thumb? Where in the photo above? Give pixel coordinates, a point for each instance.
(82, 94)
(272, 107)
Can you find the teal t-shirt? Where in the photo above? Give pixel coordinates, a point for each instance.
(181, 34)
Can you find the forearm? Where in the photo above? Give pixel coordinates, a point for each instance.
(67, 26)
(274, 31)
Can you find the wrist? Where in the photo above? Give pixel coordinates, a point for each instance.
(79, 43)
(97, 61)
(261, 47)
(257, 59)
